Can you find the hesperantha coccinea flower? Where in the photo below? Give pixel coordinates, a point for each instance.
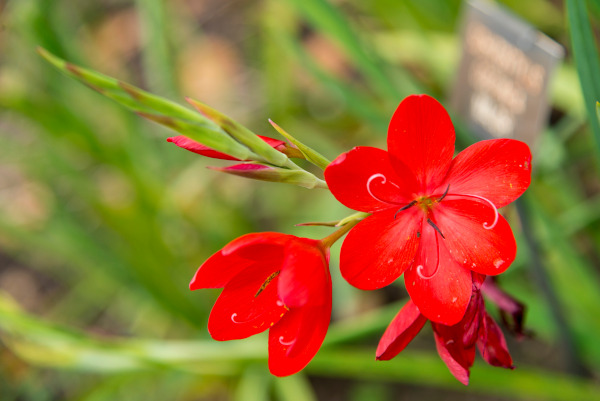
(455, 344)
(434, 217)
(274, 282)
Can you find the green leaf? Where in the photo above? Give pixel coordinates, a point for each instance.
(586, 59)
(155, 108)
(294, 388)
(254, 384)
(426, 369)
(331, 22)
(310, 154)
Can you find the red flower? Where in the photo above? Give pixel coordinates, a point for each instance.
(271, 281)
(434, 218)
(455, 344)
(193, 146)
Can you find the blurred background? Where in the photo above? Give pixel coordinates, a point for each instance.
(103, 223)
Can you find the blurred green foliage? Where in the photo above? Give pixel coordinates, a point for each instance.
(102, 223)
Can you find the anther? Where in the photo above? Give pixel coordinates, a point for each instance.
(266, 283)
(436, 228)
(445, 193)
(411, 204)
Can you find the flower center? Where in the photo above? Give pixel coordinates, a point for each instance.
(425, 202)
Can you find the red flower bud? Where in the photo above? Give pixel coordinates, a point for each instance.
(193, 146)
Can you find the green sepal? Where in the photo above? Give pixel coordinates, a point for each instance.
(162, 111)
(310, 154)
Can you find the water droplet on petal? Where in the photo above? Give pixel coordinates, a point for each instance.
(498, 263)
(454, 299)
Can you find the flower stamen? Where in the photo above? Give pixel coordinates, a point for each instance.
(444, 194)
(404, 208)
(436, 228)
(266, 283)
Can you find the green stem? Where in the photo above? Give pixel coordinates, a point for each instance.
(321, 184)
(332, 238)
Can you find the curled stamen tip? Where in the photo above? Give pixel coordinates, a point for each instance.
(233, 318)
(489, 227)
(420, 273)
(287, 343)
(371, 178)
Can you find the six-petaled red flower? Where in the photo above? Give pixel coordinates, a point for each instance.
(271, 281)
(455, 344)
(434, 218)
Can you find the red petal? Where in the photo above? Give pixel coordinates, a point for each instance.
(248, 304)
(405, 326)
(193, 146)
(485, 251)
(237, 256)
(470, 323)
(296, 338)
(497, 169)
(492, 345)
(363, 179)
(457, 358)
(258, 246)
(380, 248)
(304, 278)
(442, 289)
(275, 143)
(217, 271)
(421, 136)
